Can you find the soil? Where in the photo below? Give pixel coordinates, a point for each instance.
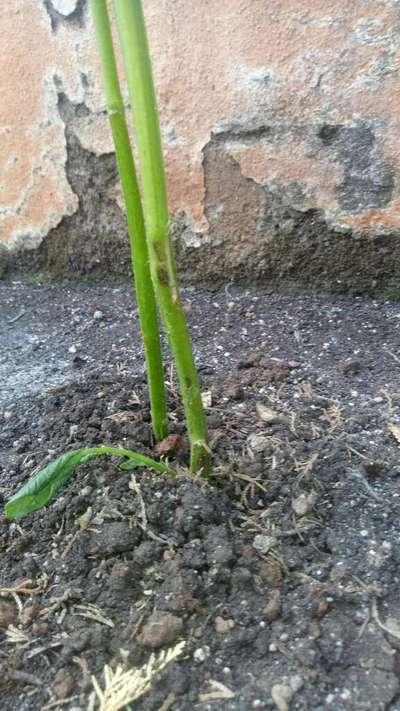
(280, 573)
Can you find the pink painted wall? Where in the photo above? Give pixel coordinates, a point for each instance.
(299, 99)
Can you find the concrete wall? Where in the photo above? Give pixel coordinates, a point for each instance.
(281, 130)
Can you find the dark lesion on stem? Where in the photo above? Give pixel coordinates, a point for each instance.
(158, 251)
(162, 275)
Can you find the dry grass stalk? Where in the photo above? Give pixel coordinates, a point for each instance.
(123, 686)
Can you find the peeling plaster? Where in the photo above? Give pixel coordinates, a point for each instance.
(34, 194)
(268, 232)
(65, 7)
(71, 11)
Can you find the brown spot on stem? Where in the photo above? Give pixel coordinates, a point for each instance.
(162, 275)
(157, 250)
(203, 463)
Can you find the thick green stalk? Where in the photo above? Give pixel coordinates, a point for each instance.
(146, 302)
(135, 52)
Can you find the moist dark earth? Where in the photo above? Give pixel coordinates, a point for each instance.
(276, 581)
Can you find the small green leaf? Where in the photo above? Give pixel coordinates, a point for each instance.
(43, 487)
(39, 490)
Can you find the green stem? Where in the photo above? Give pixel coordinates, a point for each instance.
(146, 302)
(135, 52)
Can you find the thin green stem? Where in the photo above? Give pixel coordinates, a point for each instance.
(135, 52)
(159, 467)
(146, 302)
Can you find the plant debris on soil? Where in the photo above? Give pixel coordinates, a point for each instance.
(273, 585)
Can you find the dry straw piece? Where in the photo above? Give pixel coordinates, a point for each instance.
(123, 686)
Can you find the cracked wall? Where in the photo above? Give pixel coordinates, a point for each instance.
(280, 128)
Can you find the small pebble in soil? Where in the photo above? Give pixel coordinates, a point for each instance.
(282, 694)
(172, 445)
(223, 626)
(374, 468)
(63, 684)
(320, 607)
(200, 655)
(7, 615)
(263, 543)
(28, 614)
(303, 503)
(78, 362)
(350, 367)
(270, 572)
(274, 606)
(249, 361)
(86, 491)
(259, 443)
(160, 630)
(234, 392)
(86, 518)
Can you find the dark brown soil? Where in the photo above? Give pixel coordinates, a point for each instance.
(280, 574)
